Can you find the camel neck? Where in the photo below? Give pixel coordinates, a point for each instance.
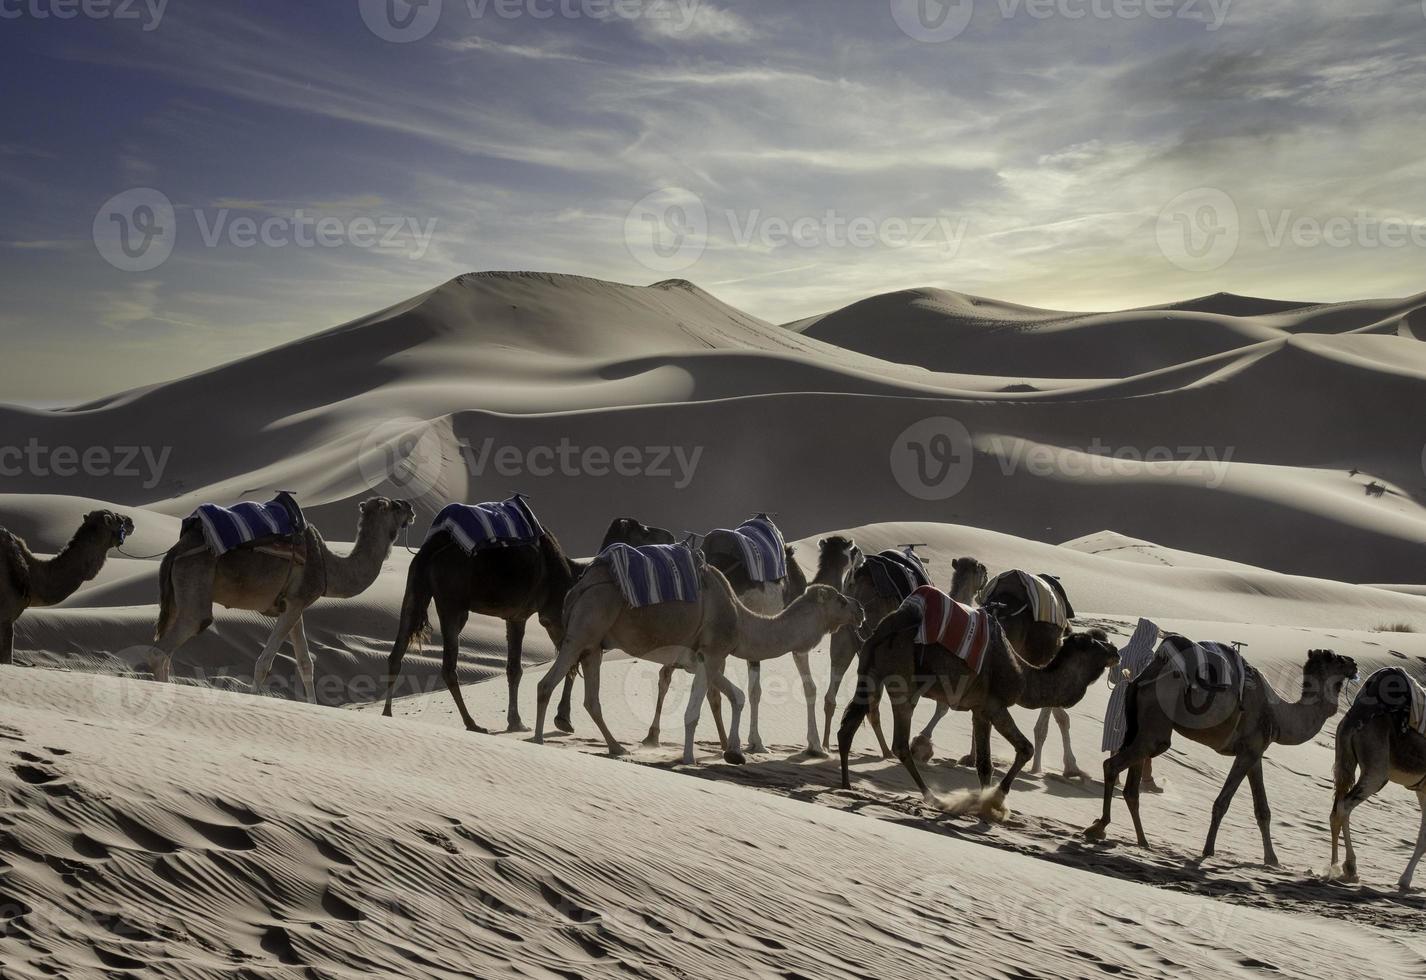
(353, 574)
(57, 579)
(1062, 682)
(796, 629)
(1301, 720)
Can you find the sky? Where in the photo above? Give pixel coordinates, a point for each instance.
(187, 182)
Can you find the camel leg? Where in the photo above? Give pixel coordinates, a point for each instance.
(902, 708)
(1241, 766)
(287, 619)
(1042, 732)
(7, 643)
(715, 704)
(1131, 800)
(591, 703)
(1005, 725)
(1263, 812)
(569, 655)
(1404, 882)
(453, 620)
(305, 666)
(693, 710)
(1374, 776)
(809, 692)
(755, 693)
(1062, 719)
(844, 651)
(873, 713)
(514, 670)
(718, 677)
(651, 740)
(922, 744)
(1128, 756)
(562, 713)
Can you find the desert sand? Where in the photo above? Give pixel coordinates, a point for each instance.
(203, 831)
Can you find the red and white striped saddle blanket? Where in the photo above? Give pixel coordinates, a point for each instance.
(945, 622)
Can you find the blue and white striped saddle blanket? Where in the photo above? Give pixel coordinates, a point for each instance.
(896, 574)
(475, 527)
(654, 573)
(226, 528)
(764, 550)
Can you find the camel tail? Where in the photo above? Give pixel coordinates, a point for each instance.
(415, 624)
(165, 597)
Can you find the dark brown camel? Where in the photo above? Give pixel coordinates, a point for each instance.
(968, 576)
(27, 580)
(1376, 739)
(1161, 702)
(512, 584)
(892, 661)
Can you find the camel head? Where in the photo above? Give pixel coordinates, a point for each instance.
(388, 515)
(107, 526)
(836, 610)
(1094, 646)
(972, 573)
(839, 556)
(1327, 671)
(627, 530)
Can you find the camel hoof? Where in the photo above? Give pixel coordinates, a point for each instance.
(617, 750)
(817, 752)
(564, 725)
(966, 760)
(386, 713)
(1076, 773)
(1094, 832)
(517, 726)
(650, 742)
(734, 758)
(757, 748)
(1272, 862)
(922, 749)
(1403, 887)
(1149, 786)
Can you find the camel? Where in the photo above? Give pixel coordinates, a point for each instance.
(1036, 643)
(274, 581)
(1377, 738)
(1162, 702)
(27, 580)
(512, 584)
(893, 661)
(697, 636)
(837, 555)
(968, 577)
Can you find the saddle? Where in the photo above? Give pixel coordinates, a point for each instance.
(476, 527)
(655, 573)
(763, 550)
(1209, 667)
(276, 527)
(1046, 598)
(895, 575)
(955, 627)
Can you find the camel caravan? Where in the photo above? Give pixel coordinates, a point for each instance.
(698, 602)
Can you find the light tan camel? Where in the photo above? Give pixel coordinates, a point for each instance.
(892, 661)
(837, 555)
(1376, 737)
(968, 577)
(697, 636)
(1161, 702)
(275, 581)
(28, 581)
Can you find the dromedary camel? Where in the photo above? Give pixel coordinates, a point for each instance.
(512, 584)
(837, 555)
(1162, 702)
(28, 581)
(697, 636)
(1037, 643)
(1377, 738)
(271, 581)
(893, 661)
(968, 577)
